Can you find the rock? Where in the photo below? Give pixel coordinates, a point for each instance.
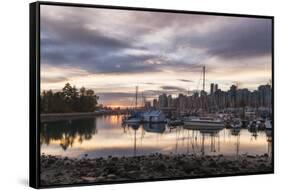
(51, 161)
(262, 166)
(251, 156)
(111, 176)
(160, 167)
(213, 164)
(57, 170)
(67, 163)
(89, 178)
(100, 178)
(189, 166)
(132, 172)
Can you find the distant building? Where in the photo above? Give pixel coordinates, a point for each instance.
(216, 87)
(232, 96)
(212, 88)
(215, 101)
(265, 95)
(181, 103)
(155, 104)
(242, 97)
(163, 101)
(170, 101)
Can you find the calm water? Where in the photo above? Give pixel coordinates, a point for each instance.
(103, 136)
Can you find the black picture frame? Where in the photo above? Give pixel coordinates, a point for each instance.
(34, 85)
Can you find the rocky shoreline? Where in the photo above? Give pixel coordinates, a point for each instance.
(59, 171)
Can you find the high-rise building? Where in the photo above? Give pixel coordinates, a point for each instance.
(170, 101)
(264, 95)
(181, 102)
(232, 95)
(212, 88)
(216, 87)
(163, 101)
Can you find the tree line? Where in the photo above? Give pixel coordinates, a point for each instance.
(69, 99)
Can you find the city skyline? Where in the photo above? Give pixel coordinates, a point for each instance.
(93, 49)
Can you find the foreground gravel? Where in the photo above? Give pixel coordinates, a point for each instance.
(63, 170)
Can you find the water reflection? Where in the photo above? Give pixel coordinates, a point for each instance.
(66, 132)
(104, 136)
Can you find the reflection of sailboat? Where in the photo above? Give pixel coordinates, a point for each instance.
(203, 129)
(154, 127)
(212, 132)
(135, 127)
(269, 141)
(237, 145)
(235, 131)
(254, 132)
(203, 144)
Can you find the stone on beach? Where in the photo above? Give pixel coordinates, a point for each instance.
(57, 170)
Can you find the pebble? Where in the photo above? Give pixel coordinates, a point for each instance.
(53, 170)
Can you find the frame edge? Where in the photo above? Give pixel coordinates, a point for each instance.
(33, 103)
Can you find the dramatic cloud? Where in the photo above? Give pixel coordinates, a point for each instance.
(160, 52)
(185, 80)
(240, 38)
(54, 79)
(168, 88)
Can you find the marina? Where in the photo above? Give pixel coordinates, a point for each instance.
(104, 136)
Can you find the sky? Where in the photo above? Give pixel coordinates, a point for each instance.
(113, 51)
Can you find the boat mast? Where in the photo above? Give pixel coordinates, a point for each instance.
(136, 96)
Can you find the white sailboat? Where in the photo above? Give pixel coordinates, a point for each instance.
(136, 116)
(204, 122)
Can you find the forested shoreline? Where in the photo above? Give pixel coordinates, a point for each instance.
(68, 100)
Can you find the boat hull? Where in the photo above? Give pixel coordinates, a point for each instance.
(132, 121)
(204, 124)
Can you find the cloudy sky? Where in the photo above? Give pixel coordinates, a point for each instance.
(112, 51)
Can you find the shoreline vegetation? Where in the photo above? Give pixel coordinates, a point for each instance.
(63, 170)
(68, 100)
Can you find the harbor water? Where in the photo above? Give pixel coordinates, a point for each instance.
(104, 136)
